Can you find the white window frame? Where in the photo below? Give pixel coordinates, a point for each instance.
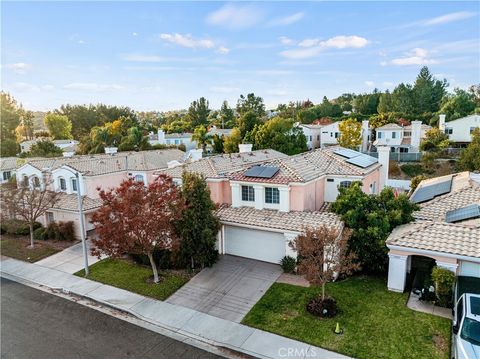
(275, 195)
(61, 181)
(74, 183)
(249, 195)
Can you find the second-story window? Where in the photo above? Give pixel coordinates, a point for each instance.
(345, 184)
(394, 135)
(139, 178)
(379, 135)
(36, 182)
(25, 181)
(272, 195)
(63, 184)
(248, 194)
(7, 175)
(449, 131)
(74, 184)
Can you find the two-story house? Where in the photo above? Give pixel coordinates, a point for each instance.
(94, 172)
(401, 138)
(460, 130)
(266, 202)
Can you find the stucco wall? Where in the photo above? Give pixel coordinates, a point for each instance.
(309, 197)
(373, 177)
(104, 182)
(220, 192)
(65, 216)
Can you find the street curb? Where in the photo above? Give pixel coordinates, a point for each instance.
(224, 350)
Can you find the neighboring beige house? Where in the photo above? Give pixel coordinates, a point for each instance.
(94, 172)
(25, 146)
(446, 229)
(401, 138)
(267, 197)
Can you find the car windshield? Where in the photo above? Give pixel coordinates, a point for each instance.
(471, 331)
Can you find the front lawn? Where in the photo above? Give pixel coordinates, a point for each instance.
(136, 278)
(17, 247)
(376, 322)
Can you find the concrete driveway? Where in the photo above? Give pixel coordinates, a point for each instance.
(229, 289)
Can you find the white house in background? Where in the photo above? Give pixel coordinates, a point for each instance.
(312, 133)
(8, 167)
(446, 230)
(459, 130)
(25, 146)
(401, 138)
(329, 135)
(172, 139)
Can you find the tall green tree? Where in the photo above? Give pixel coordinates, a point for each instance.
(230, 144)
(44, 148)
(247, 122)
(59, 126)
(403, 99)
(199, 226)
(226, 116)
(366, 104)
(460, 104)
(10, 115)
(428, 91)
(372, 218)
(198, 112)
(251, 103)
(279, 134)
(470, 156)
(202, 137)
(136, 140)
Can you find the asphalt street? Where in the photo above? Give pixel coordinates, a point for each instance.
(35, 324)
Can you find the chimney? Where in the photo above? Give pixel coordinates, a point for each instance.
(196, 154)
(441, 122)
(111, 150)
(161, 136)
(364, 135)
(245, 147)
(383, 159)
(416, 135)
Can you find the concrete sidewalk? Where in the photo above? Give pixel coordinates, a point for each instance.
(70, 260)
(180, 320)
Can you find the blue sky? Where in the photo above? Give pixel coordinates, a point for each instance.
(163, 55)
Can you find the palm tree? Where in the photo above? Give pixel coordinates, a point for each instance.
(202, 137)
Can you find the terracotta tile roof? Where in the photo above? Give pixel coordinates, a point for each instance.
(435, 209)
(441, 237)
(92, 165)
(222, 165)
(390, 126)
(307, 166)
(8, 163)
(69, 202)
(268, 218)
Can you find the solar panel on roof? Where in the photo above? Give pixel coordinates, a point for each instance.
(461, 214)
(262, 171)
(426, 193)
(345, 152)
(362, 161)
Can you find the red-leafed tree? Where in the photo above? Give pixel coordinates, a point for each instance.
(138, 219)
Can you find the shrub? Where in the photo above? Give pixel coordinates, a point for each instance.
(40, 234)
(60, 231)
(288, 264)
(394, 169)
(443, 280)
(164, 259)
(18, 227)
(326, 308)
(411, 169)
(416, 181)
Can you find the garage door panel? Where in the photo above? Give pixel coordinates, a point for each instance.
(255, 244)
(470, 269)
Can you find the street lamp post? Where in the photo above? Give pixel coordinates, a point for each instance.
(82, 226)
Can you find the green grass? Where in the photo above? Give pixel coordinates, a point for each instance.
(136, 278)
(18, 248)
(376, 322)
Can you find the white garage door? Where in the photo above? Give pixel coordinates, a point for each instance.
(470, 269)
(255, 244)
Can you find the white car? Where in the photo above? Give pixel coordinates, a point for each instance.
(466, 327)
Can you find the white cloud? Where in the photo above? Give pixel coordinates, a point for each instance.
(134, 34)
(92, 86)
(286, 41)
(20, 68)
(417, 56)
(235, 16)
(188, 41)
(287, 20)
(27, 87)
(313, 47)
(76, 38)
(445, 19)
(224, 89)
(222, 50)
(370, 83)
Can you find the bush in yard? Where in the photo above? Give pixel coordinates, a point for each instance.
(40, 234)
(18, 227)
(443, 280)
(288, 264)
(411, 169)
(60, 231)
(324, 257)
(163, 258)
